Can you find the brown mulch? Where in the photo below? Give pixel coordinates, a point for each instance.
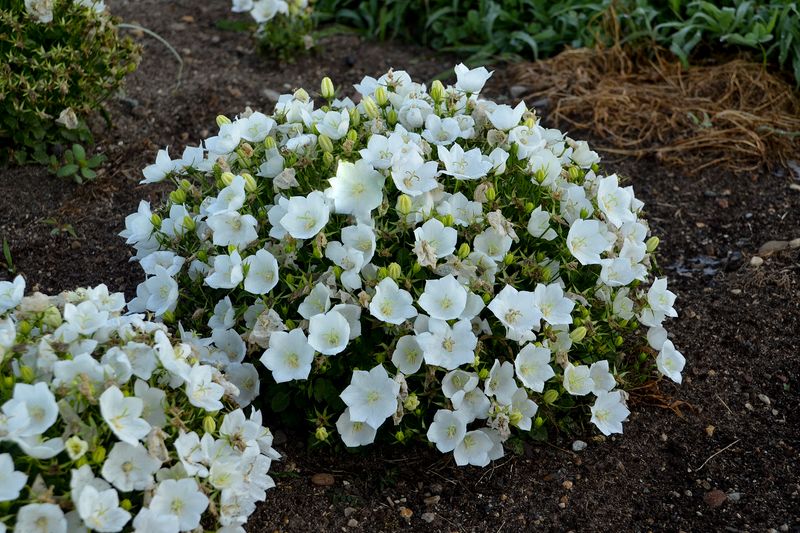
(736, 114)
(739, 325)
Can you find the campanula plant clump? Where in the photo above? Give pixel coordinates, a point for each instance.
(418, 262)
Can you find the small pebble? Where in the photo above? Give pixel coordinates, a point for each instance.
(735, 496)
(406, 513)
(578, 446)
(432, 500)
(428, 517)
(348, 511)
(567, 484)
(352, 523)
(322, 480)
(756, 261)
(715, 498)
(764, 398)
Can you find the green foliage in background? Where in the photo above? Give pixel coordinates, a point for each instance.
(534, 29)
(53, 74)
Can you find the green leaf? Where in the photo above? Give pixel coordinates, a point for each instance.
(67, 170)
(280, 401)
(88, 173)
(80, 153)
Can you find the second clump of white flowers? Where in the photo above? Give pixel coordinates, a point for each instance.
(422, 263)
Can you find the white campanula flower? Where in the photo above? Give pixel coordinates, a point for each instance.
(441, 131)
(40, 447)
(379, 152)
(660, 299)
(305, 215)
(76, 447)
(11, 293)
(231, 198)
(153, 403)
(529, 140)
(447, 430)
(582, 156)
(587, 240)
(414, 112)
(328, 333)
(670, 362)
(517, 311)
(545, 168)
(371, 396)
(334, 124)
(578, 380)
(656, 337)
(191, 454)
(262, 272)
(413, 175)
(576, 205)
(123, 415)
(11, 481)
(227, 272)
(202, 390)
(473, 449)
(501, 383)
(265, 10)
(138, 227)
(226, 141)
(289, 355)
(130, 467)
(230, 347)
(168, 260)
(256, 127)
(232, 228)
(350, 260)
(471, 80)
(539, 225)
(458, 381)
(158, 293)
(444, 298)
(472, 404)
(181, 498)
(448, 346)
(318, 301)
(244, 376)
(554, 307)
(354, 433)
(523, 409)
(100, 510)
(356, 189)
(159, 170)
(351, 313)
(41, 518)
(147, 521)
(464, 212)
(492, 243)
(224, 316)
(504, 117)
(360, 237)
(602, 379)
(609, 412)
(533, 367)
(41, 406)
(392, 304)
(432, 241)
(614, 201)
(407, 355)
(469, 165)
(617, 272)
(85, 317)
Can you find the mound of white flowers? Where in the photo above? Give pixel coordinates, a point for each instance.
(106, 424)
(425, 261)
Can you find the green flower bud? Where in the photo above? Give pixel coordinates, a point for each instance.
(652, 244)
(27, 374)
(491, 194)
(464, 251)
(337, 271)
(227, 178)
(24, 327)
(415, 268)
(483, 374)
(540, 175)
(168, 317)
(411, 402)
(515, 418)
(577, 334)
(290, 324)
(186, 185)
(232, 248)
(584, 213)
(325, 143)
(595, 167)
(355, 117)
(99, 455)
(52, 317)
(508, 259)
(209, 424)
(382, 273)
(126, 504)
(380, 358)
(328, 159)
(352, 135)
(394, 271)
(618, 340)
(400, 436)
(269, 143)
(642, 357)
(222, 120)
(76, 447)
(156, 220)
(550, 396)
(302, 95)
(391, 117)
(381, 96)
(178, 196)
(574, 173)
(250, 184)
(188, 223)
(530, 122)
(538, 422)
(486, 298)
(202, 255)
(404, 204)
(370, 107)
(529, 207)
(437, 91)
(321, 434)
(327, 91)
(447, 220)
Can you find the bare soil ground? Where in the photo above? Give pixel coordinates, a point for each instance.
(727, 461)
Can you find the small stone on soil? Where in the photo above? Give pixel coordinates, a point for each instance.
(348, 511)
(578, 446)
(406, 513)
(322, 480)
(735, 496)
(756, 261)
(432, 500)
(715, 498)
(352, 523)
(428, 517)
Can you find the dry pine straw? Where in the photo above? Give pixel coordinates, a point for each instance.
(735, 114)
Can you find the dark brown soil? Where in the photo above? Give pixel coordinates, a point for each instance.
(739, 429)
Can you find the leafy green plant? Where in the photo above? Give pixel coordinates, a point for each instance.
(76, 164)
(534, 29)
(9, 261)
(56, 67)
